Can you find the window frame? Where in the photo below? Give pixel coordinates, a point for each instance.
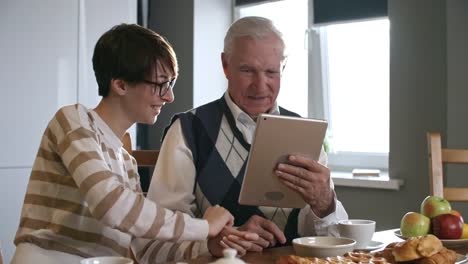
(319, 103)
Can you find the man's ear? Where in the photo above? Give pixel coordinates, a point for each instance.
(283, 65)
(119, 86)
(224, 61)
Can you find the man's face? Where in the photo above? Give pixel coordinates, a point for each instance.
(253, 70)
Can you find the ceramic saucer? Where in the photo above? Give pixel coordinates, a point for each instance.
(372, 245)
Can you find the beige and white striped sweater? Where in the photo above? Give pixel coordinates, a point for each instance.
(84, 195)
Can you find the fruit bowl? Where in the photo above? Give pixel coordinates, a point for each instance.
(322, 246)
(448, 243)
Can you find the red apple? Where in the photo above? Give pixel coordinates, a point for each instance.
(414, 224)
(447, 226)
(432, 206)
(457, 213)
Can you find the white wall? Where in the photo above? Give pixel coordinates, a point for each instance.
(38, 72)
(45, 49)
(211, 20)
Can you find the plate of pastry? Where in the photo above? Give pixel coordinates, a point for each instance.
(449, 243)
(421, 249)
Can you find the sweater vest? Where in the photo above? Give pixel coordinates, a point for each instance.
(221, 180)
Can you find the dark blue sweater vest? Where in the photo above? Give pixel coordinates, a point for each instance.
(201, 128)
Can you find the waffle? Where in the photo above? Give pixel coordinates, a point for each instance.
(348, 258)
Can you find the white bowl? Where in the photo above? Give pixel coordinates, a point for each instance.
(322, 246)
(107, 260)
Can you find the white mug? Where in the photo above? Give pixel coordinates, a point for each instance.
(359, 230)
(107, 260)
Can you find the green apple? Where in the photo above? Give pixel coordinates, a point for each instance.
(414, 224)
(433, 206)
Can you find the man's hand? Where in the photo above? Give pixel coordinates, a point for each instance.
(218, 218)
(269, 233)
(230, 237)
(311, 180)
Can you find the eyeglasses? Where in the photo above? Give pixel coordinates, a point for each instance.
(161, 88)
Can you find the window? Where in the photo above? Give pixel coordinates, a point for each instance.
(341, 75)
(355, 69)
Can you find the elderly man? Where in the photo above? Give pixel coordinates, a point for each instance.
(204, 153)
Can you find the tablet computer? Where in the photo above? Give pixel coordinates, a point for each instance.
(275, 138)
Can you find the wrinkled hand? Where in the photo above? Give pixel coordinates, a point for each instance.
(269, 233)
(218, 218)
(230, 237)
(311, 180)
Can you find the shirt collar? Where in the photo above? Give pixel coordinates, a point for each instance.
(241, 116)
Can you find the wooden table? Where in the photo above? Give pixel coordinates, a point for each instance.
(271, 255)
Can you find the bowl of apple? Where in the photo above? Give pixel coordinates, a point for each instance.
(436, 217)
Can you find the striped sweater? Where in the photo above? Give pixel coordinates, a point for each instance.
(84, 196)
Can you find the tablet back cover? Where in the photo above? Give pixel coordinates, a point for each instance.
(276, 137)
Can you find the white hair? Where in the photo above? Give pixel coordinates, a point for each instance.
(251, 26)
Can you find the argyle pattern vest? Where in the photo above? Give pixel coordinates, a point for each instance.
(220, 156)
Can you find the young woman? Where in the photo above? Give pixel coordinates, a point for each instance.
(84, 197)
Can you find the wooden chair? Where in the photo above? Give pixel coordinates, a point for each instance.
(1, 256)
(439, 156)
(144, 158)
(146, 161)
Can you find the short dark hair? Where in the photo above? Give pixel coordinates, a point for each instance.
(130, 52)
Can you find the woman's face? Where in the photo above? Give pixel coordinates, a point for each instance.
(144, 102)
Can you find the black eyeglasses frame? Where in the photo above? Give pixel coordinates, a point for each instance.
(163, 86)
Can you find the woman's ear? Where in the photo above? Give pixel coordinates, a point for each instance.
(119, 86)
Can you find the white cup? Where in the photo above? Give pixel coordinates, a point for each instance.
(107, 260)
(359, 230)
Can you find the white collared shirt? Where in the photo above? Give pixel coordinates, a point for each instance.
(244, 122)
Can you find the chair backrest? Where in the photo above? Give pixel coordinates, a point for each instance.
(1, 256)
(439, 156)
(144, 158)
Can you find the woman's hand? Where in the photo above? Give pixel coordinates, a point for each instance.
(218, 218)
(231, 237)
